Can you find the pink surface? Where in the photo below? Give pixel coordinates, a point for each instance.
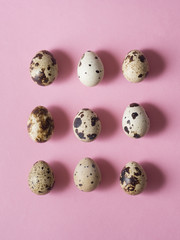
(68, 29)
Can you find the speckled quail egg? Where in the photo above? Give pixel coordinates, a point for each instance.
(135, 121)
(87, 175)
(90, 69)
(135, 66)
(41, 178)
(133, 178)
(86, 125)
(43, 68)
(40, 124)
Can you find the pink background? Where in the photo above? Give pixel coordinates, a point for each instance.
(68, 29)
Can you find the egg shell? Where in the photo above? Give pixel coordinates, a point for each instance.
(86, 125)
(133, 178)
(40, 124)
(135, 66)
(135, 121)
(90, 69)
(41, 178)
(87, 175)
(43, 68)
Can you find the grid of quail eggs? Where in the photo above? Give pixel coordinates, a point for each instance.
(86, 124)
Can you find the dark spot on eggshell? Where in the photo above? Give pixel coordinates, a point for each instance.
(134, 115)
(140, 75)
(80, 64)
(138, 172)
(136, 135)
(47, 52)
(80, 134)
(36, 64)
(92, 136)
(126, 129)
(96, 57)
(82, 115)
(94, 120)
(40, 111)
(29, 126)
(134, 105)
(53, 61)
(85, 109)
(39, 55)
(128, 122)
(130, 189)
(41, 78)
(133, 181)
(77, 122)
(89, 65)
(123, 174)
(131, 59)
(92, 182)
(93, 166)
(97, 71)
(142, 58)
(80, 185)
(135, 53)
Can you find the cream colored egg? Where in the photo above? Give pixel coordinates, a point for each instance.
(41, 178)
(86, 125)
(133, 178)
(90, 69)
(135, 121)
(43, 68)
(40, 124)
(87, 175)
(135, 66)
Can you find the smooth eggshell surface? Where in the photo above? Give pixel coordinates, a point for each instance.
(43, 68)
(40, 124)
(86, 125)
(87, 175)
(41, 178)
(135, 121)
(90, 69)
(133, 178)
(135, 66)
